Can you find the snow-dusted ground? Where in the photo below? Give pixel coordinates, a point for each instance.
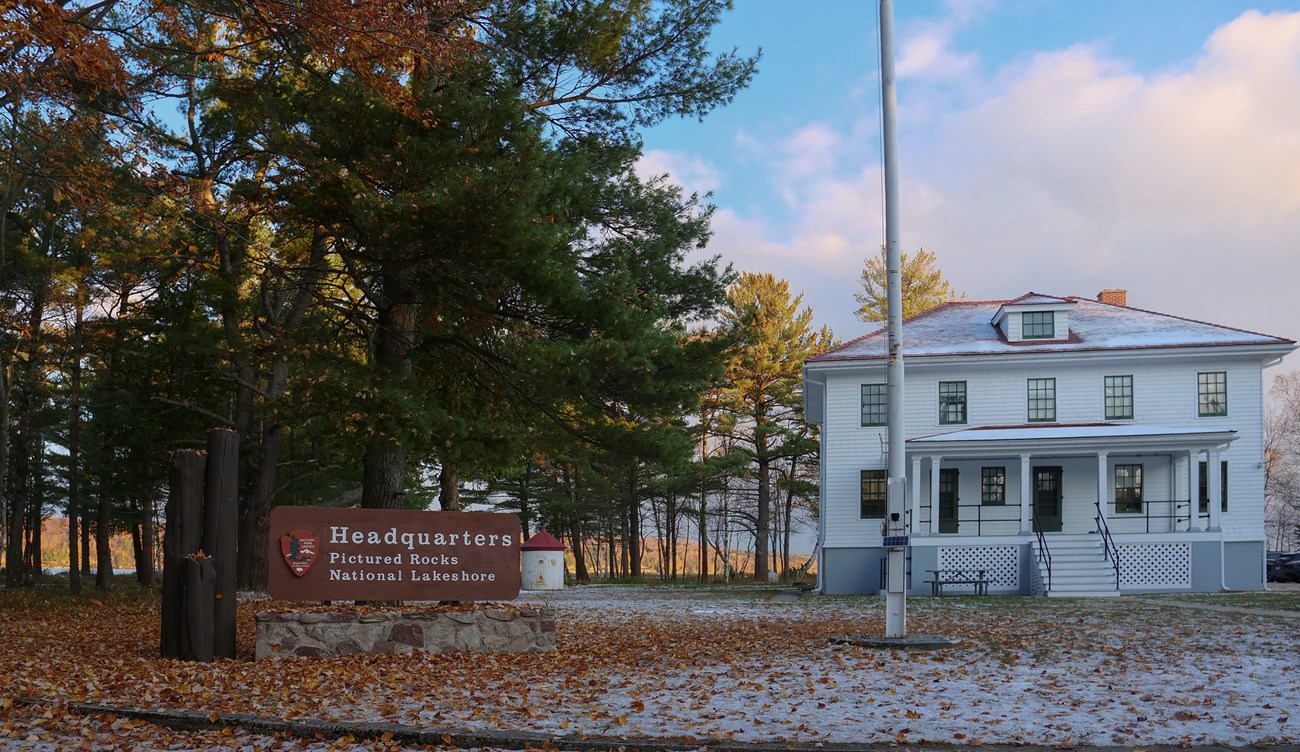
(709, 664)
(701, 664)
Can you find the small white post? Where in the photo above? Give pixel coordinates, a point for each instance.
(1214, 478)
(1103, 488)
(934, 495)
(1025, 495)
(916, 494)
(1193, 499)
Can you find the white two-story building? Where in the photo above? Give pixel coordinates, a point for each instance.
(1063, 446)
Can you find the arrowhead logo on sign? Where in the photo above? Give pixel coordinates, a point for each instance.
(299, 548)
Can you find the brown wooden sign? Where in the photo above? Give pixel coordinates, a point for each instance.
(323, 554)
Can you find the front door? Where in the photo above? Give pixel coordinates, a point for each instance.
(1047, 499)
(948, 500)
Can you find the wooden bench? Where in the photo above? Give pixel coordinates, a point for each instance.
(941, 578)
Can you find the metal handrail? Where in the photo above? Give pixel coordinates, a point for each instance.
(1177, 519)
(1108, 543)
(1044, 554)
(979, 517)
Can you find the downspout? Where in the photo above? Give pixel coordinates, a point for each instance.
(1223, 565)
(821, 493)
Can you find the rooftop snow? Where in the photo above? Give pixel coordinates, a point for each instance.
(966, 328)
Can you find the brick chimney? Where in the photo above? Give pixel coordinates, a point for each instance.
(1114, 297)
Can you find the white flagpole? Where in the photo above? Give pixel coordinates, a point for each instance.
(896, 585)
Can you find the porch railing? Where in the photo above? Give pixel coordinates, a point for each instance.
(1159, 515)
(985, 514)
(1108, 543)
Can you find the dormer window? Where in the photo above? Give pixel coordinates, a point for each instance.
(1035, 319)
(1039, 325)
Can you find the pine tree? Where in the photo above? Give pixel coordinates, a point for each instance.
(923, 286)
(762, 393)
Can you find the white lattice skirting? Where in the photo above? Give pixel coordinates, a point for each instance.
(1001, 562)
(1155, 565)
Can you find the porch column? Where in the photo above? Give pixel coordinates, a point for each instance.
(1214, 478)
(916, 496)
(934, 495)
(1024, 495)
(1193, 473)
(1103, 488)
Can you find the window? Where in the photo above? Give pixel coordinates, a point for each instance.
(993, 485)
(1205, 486)
(1042, 400)
(1128, 489)
(952, 402)
(875, 405)
(874, 501)
(1119, 398)
(1038, 325)
(1212, 393)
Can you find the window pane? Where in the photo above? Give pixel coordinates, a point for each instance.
(1212, 393)
(1128, 488)
(1204, 487)
(874, 484)
(1038, 325)
(952, 402)
(1042, 400)
(993, 485)
(1119, 398)
(875, 409)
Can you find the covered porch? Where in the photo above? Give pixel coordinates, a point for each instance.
(1066, 479)
(1067, 509)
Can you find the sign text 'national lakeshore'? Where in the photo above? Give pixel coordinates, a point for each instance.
(321, 553)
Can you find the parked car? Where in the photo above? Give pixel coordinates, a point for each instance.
(1283, 566)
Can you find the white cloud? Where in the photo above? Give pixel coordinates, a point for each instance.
(1080, 174)
(927, 51)
(693, 174)
(1074, 173)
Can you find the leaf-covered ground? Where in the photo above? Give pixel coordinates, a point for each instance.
(699, 664)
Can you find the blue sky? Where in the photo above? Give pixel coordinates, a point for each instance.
(1059, 147)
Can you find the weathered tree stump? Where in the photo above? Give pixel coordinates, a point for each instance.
(199, 549)
(221, 531)
(198, 633)
(181, 538)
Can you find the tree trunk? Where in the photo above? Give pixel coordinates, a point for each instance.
(255, 519)
(384, 464)
(787, 513)
(85, 542)
(74, 441)
(137, 544)
(525, 499)
(257, 484)
(764, 522)
(633, 524)
(449, 486)
(580, 573)
(145, 566)
(103, 556)
(11, 510)
(670, 511)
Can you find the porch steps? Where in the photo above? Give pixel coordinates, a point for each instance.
(1080, 568)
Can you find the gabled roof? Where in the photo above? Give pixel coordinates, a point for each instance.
(966, 328)
(1034, 298)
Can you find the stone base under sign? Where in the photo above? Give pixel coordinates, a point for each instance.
(483, 630)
